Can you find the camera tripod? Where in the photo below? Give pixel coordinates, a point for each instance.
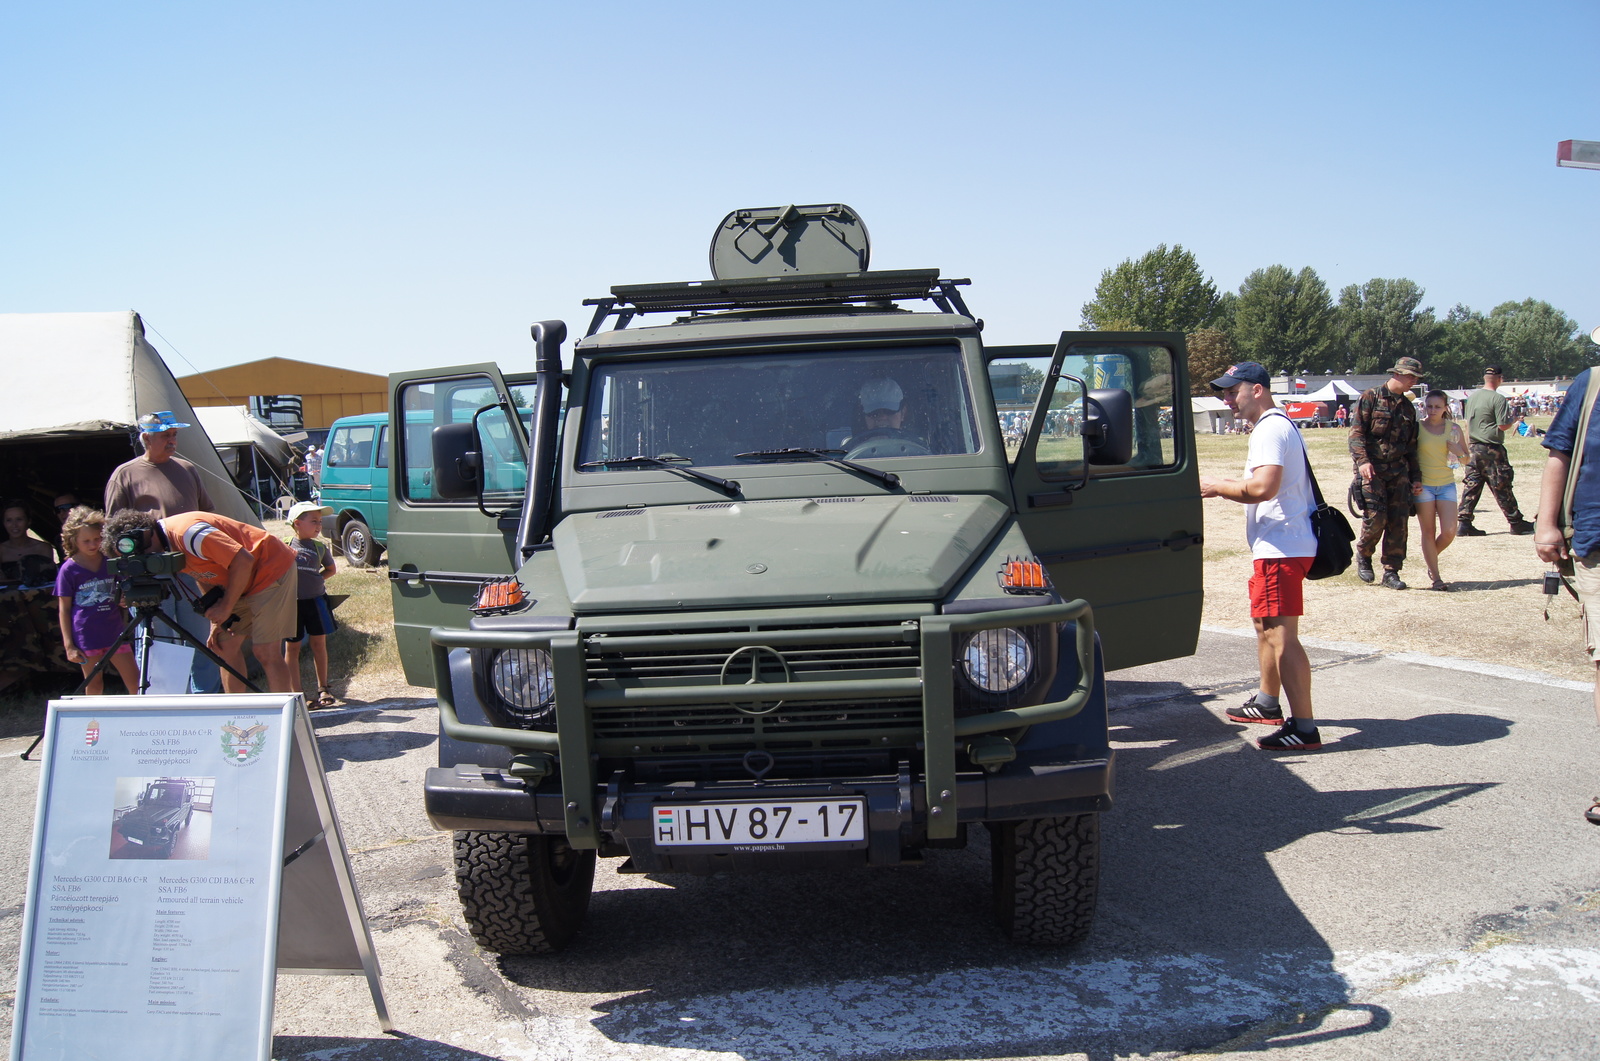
(144, 618)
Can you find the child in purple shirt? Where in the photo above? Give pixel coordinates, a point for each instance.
(91, 618)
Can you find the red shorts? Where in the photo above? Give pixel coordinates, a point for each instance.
(1276, 584)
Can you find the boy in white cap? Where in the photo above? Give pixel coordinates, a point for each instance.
(314, 562)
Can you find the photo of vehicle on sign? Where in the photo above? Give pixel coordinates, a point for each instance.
(151, 818)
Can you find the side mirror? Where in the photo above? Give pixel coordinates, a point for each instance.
(457, 464)
(1108, 426)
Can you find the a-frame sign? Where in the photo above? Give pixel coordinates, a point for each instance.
(185, 850)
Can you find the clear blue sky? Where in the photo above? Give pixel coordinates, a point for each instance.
(399, 185)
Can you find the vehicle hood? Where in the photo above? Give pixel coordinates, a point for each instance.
(741, 554)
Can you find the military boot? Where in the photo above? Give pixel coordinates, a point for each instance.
(1391, 580)
(1521, 526)
(1467, 530)
(1364, 568)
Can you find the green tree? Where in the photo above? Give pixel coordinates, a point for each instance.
(1380, 321)
(1284, 320)
(1534, 340)
(1461, 350)
(1164, 291)
(1211, 354)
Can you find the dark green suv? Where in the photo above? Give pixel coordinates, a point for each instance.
(804, 575)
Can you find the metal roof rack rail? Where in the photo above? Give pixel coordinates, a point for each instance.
(777, 292)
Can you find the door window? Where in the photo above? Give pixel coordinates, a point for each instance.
(351, 447)
(383, 446)
(435, 403)
(1145, 371)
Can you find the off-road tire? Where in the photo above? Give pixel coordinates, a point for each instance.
(1046, 878)
(359, 548)
(522, 894)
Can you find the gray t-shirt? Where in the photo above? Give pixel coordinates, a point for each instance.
(168, 488)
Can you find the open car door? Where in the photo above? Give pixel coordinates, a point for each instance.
(441, 550)
(1125, 537)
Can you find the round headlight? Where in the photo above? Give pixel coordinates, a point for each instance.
(524, 678)
(997, 661)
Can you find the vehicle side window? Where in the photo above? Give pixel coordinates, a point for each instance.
(435, 403)
(383, 447)
(1146, 373)
(351, 447)
(1015, 383)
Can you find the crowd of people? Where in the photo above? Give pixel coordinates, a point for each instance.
(238, 586)
(1402, 462)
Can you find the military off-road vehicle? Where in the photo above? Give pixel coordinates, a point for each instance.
(164, 808)
(804, 575)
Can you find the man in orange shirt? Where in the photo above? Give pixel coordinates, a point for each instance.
(254, 571)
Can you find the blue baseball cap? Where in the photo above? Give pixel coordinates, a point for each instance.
(1243, 372)
(155, 423)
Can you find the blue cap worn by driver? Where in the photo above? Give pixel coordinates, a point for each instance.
(1243, 372)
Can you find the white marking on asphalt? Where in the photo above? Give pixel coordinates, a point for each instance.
(1493, 670)
(1197, 754)
(1175, 1002)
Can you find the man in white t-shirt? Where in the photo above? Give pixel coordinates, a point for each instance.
(1276, 493)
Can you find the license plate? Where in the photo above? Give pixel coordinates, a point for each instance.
(761, 826)
(134, 840)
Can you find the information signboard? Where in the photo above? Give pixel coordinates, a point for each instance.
(185, 850)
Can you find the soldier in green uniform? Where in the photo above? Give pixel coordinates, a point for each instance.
(1383, 447)
(1488, 416)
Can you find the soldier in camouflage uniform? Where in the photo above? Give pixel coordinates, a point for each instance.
(1383, 447)
(1488, 417)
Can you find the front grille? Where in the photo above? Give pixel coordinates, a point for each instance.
(794, 725)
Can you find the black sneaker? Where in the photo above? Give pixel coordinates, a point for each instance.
(1289, 739)
(1251, 711)
(1467, 530)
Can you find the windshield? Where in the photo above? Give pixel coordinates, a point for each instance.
(895, 402)
(166, 793)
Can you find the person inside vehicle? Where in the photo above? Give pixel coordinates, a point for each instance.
(883, 419)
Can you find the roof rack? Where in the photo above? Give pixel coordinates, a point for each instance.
(791, 290)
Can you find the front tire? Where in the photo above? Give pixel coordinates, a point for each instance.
(1046, 878)
(359, 548)
(522, 894)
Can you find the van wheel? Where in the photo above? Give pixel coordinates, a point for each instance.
(359, 548)
(522, 894)
(1046, 877)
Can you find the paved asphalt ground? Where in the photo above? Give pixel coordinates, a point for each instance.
(1423, 887)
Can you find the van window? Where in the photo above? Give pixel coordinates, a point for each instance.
(351, 446)
(383, 446)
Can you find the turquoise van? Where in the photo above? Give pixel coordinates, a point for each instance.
(355, 484)
(355, 467)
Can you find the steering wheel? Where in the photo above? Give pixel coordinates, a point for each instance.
(886, 442)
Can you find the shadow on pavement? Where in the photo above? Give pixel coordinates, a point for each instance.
(396, 1047)
(1196, 943)
(340, 748)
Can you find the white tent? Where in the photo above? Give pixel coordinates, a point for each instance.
(1331, 393)
(1209, 413)
(247, 445)
(76, 385)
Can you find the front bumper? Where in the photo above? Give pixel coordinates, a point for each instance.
(944, 799)
(898, 814)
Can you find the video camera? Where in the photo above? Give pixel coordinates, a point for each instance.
(143, 578)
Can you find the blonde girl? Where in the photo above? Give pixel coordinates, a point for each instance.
(1439, 438)
(91, 618)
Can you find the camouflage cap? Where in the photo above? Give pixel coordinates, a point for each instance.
(1407, 366)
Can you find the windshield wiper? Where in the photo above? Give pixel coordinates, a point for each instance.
(832, 456)
(670, 464)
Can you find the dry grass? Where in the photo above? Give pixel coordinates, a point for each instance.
(1496, 614)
